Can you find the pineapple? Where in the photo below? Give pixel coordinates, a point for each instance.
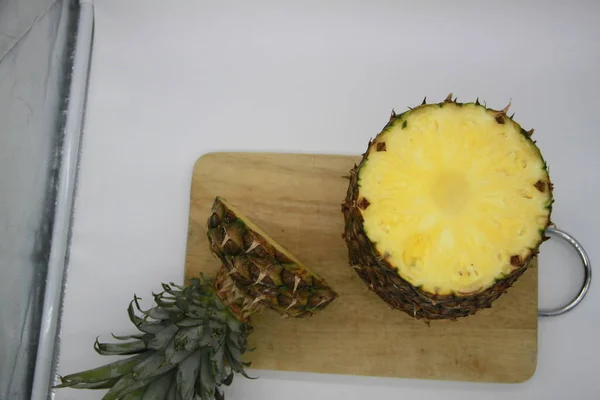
(192, 341)
(261, 268)
(446, 209)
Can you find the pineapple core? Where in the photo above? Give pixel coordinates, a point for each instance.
(454, 197)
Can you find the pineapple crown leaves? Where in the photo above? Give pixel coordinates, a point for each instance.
(189, 346)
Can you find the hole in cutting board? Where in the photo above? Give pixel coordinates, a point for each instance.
(560, 273)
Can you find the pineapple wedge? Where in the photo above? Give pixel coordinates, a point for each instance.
(261, 268)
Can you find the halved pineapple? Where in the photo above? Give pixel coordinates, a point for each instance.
(447, 208)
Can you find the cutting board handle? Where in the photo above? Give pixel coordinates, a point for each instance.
(587, 280)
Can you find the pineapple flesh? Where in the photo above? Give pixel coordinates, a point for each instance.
(262, 269)
(447, 208)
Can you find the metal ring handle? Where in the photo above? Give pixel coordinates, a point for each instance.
(587, 278)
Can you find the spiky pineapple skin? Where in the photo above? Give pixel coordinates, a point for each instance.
(242, 306)
(381, 277)
(259, 270)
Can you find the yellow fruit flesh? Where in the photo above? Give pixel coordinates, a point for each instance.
(453, 196)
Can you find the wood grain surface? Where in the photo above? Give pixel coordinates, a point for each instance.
(296, 198)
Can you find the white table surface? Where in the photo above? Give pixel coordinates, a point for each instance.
(171, 81)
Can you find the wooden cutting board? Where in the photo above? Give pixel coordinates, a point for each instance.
(296, 198)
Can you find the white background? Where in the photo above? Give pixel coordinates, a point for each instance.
(173, 80)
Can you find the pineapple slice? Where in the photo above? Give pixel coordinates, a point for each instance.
(447, 209)
(261, 268)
